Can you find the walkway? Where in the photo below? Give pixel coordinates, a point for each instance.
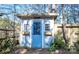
(31, 51)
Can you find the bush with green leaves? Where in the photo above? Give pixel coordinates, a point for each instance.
(58, 43)
(76, 45)
(6, 45)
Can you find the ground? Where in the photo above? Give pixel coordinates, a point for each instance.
(31, 51)
(38, 51)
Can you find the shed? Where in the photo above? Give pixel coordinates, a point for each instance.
(37, 30)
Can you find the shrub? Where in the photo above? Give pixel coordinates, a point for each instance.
(7, 44)
(76, 45)
(58, 43)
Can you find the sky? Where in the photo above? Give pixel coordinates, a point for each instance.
(71, 11)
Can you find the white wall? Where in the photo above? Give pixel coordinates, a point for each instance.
(27, 40)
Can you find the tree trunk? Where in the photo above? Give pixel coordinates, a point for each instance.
(63, 25)
(64, 33)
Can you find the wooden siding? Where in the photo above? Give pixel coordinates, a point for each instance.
(37, 16)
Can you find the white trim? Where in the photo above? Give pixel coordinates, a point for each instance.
(31, 32)
(42, 33)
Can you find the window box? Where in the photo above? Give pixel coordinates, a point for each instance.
(25, 33)
(48, 33)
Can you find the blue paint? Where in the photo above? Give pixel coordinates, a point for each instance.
(37, 34)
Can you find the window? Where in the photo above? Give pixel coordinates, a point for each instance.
(25, 27)
(36, 28)
(47, 27)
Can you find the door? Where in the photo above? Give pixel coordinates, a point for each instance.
(37, 34)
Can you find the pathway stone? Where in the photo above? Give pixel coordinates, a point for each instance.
(31, 51)
(38, 51)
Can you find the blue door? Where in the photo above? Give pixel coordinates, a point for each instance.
(36, 34)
